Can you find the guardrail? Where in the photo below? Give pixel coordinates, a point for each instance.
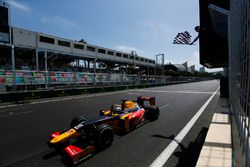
(50, 79)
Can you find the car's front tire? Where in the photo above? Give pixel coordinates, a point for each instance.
(104, 136)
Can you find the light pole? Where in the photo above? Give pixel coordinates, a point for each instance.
(156, 61)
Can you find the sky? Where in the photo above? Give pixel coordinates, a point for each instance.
(145, 26)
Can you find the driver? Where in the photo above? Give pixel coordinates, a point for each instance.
(116, 109)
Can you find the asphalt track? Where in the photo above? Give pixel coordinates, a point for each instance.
(24, 128)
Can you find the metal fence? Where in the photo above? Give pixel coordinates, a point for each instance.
(48, 79)
(239, 71)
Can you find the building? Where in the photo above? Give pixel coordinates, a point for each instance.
(179, 67)
(192, 68)
(202, 69)
(185, 64)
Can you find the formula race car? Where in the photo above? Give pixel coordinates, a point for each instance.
(85, 137)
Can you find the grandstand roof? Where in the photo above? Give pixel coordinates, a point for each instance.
(175, 67)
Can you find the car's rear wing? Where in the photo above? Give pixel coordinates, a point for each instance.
(142, 99)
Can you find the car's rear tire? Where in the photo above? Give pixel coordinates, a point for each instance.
(104, 136)
(152, 112)
(75, 121)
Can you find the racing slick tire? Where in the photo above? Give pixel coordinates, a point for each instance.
(104, 136)
(152, 112)
(75, 121)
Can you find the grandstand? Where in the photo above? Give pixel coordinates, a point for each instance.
(35, 50)
(36, 46)
(175, 67)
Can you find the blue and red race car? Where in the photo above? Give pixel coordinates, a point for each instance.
(86, 136)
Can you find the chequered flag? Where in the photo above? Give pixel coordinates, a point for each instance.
(183, 38)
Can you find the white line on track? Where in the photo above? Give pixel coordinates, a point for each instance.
(133, 93)
(170, 91)
(24, 112)
(11, 105)
(164, 106)
(36, 102)
(45, 101)
(6, 110)
(68, 98)
(9, 114)
(54, 100)
(169, 150)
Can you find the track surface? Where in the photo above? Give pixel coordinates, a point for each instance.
(24, 129)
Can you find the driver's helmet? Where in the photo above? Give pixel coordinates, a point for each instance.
(116, 109)
(129, 104)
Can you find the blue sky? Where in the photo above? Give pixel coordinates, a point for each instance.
(147, 26)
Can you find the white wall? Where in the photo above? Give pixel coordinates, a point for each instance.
(24, 38)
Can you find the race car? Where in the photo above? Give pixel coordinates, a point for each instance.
(85, 137)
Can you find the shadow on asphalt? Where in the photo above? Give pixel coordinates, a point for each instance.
(188, 156)
(54, 153)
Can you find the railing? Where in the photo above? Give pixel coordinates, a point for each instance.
(49, 79)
